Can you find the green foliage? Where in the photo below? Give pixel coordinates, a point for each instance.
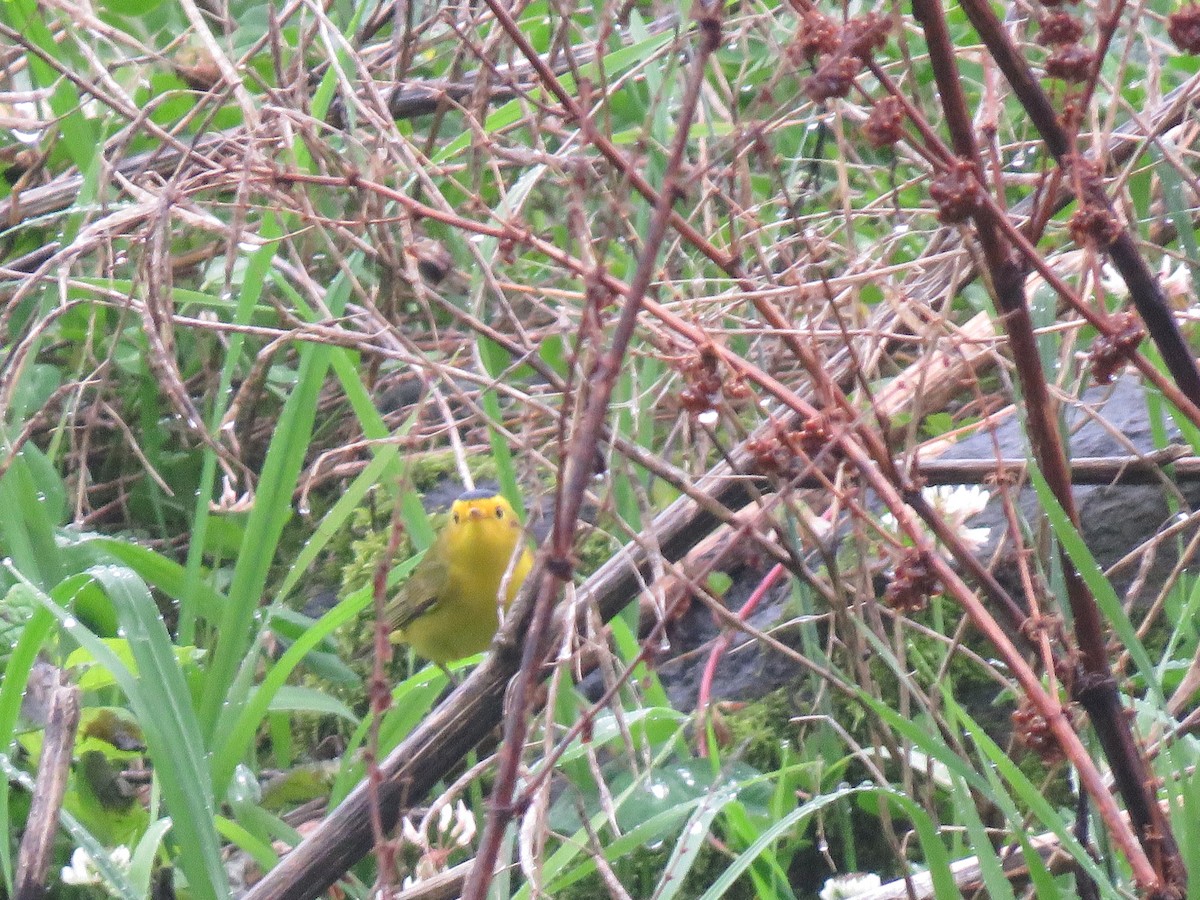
(762, 730)
(16, 609)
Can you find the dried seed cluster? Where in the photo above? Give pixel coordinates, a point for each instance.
(884, 125)
(1033, 731)
(705, 386)
(833, 79)
(1059, 28)
(956, 193)
(786, 452)
(1094, 226)
(818, 35)
(846, 48)
(1183, 26)
(865, 34)
(702, 372)
(1109, 351)
(913, 583)
(774, 454)
(1071, 63)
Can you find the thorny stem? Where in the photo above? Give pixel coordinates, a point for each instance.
(381, 700)
(1093, 685)
(579, 465)
(934, 150)
(871, 470)
(302, 866)
(1144, 289)
(870, 448)
(774, 318)
(697, 337)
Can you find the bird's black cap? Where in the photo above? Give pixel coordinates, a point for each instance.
(478, 494)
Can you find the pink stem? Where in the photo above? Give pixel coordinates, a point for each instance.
(723, 642)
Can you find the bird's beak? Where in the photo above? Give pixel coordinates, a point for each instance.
(474, 513)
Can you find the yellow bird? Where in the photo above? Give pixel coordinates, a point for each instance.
(448, 607)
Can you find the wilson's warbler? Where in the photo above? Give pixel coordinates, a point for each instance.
(447, 608)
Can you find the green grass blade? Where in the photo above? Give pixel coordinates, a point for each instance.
(28, 535)
(272, 509)
(253, 280)
(163, 706)
(991, 869)
(999, 765)
(691, 841)
(12, 691)
(1101, 588)
(164, 574)
(238, 738)
(938, 860)
(341, 511)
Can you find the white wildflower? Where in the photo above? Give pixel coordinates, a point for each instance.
(959, 502)
(82, 869)
(974, 538)
(409, 831)
(849, 886)
(464, 825)
(955, 504)
(445, 816)
(455, 827)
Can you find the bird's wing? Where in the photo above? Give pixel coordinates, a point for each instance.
(421, 593)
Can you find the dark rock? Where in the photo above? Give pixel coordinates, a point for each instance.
(1114, 519)
(747, 670)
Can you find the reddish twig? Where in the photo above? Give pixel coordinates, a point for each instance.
(1093, 685)
(516, 234)
(380, 696)
(579, 463)
(1144, 288)
(723, 642)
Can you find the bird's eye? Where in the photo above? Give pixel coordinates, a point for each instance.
(456, 518)
(499, 513)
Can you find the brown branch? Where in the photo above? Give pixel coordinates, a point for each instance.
(1103, 470)
(406, 101)
(1161, 868)
(1144, 288)
(472, 711)
(54, 769)
(579, 465)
